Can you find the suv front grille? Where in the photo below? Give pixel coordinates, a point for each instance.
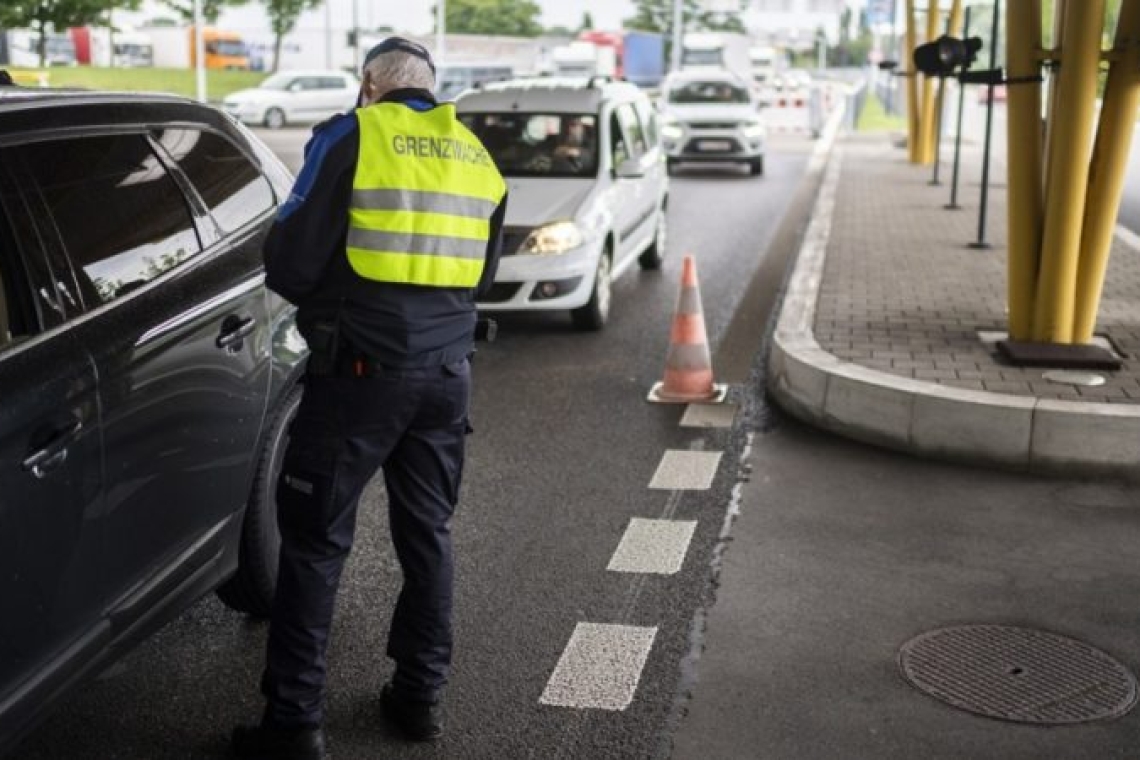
(713, 125)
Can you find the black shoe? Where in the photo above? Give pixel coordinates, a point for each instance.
(417, 720)
(266, 743)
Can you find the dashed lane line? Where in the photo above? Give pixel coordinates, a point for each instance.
(600, 667)
(686, 470)
(653, 546)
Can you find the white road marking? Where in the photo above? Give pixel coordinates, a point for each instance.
(708, 415)
(686, 470)
(600, 667)
(653, 546)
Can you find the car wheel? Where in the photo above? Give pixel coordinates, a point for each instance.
(653, 256)
(251, 589)
(275, 118)
(594, 314)
(756, 167)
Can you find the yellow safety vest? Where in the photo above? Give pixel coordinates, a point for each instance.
(422, 198)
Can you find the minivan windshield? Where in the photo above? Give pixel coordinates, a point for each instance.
(538, 144)
(707, 92)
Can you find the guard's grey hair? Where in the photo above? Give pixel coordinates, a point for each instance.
(397, 70)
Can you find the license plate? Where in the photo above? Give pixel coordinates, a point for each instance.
(716, 146)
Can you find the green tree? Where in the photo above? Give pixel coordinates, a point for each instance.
(587, 22)
(211, 9)
(283, 15)
(44, 16)
(511, 18)
(657, 16)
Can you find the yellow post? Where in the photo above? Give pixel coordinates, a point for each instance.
(956, 19)
(1068, 173)
(1023, 135)
(1059, 7)
(912, 140)
(1106, 173)
(927, 124)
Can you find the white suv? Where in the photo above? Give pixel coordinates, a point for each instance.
(588, 190)
(711, 116)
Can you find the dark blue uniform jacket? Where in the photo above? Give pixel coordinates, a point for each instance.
(395, 325)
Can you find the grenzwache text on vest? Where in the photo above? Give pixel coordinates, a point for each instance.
(439, 147)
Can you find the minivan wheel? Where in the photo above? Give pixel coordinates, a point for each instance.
(251, 589)
(756, 167)
(275, 118)
(594, 314)
(654, 256)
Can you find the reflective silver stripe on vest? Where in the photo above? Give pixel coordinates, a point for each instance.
(406, 242)
(421, 200)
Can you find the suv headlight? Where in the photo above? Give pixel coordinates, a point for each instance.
(550, 239)
(754, 130)
(671, 129)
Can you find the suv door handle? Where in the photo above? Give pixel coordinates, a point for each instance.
(234, 330)
(54, 452)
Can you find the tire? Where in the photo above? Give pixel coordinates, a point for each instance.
(756, 167)
(596, 312)
(275, 118)
(251, 588)
(654, 256)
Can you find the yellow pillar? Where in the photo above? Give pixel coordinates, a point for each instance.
(1023, 136)
(927, 123)
(956, 19)
(912, 141)
(1068, 173)
(1106, 173)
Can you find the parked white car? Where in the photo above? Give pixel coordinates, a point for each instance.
(588, 190)
(294, 97)
(711, 116)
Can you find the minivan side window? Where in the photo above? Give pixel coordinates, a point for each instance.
(632, 127)
(231, 186)
(119, 215)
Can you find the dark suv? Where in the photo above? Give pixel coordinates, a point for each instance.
(147, 375)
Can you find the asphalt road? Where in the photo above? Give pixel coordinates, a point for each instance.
(562, 459)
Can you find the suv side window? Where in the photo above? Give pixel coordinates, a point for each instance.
(230, 185)
(120, 216)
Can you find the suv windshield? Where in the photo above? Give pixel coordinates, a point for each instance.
(708, 92)
(539, 144)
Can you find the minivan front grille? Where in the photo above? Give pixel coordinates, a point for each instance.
(513, 238)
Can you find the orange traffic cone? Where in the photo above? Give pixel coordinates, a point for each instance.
(688, 369)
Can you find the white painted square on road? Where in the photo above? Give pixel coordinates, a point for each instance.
(600, 667)
(653, 546)
(708, 415)
(686, 470)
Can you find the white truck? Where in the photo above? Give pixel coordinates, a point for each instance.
(583, 59)
(717, 50)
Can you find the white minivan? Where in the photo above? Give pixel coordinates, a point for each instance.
(588, 190)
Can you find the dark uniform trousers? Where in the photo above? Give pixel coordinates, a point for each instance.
(412, 423)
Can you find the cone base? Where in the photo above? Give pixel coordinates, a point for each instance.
(658, 395)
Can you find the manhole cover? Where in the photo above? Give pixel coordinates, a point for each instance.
(1018, 674)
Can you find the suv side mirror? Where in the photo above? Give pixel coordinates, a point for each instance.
(629, 169)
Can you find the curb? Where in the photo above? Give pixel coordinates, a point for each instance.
(1020, 432)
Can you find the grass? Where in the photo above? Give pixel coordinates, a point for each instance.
(874, 118)
(177, 81)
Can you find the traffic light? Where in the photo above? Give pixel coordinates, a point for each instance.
(943, 56)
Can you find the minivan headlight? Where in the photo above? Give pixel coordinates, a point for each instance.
(550, 239)
(671, 130)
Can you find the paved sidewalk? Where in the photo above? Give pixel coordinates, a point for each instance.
(888, 328)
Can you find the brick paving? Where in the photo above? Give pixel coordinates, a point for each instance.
(903, 293)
